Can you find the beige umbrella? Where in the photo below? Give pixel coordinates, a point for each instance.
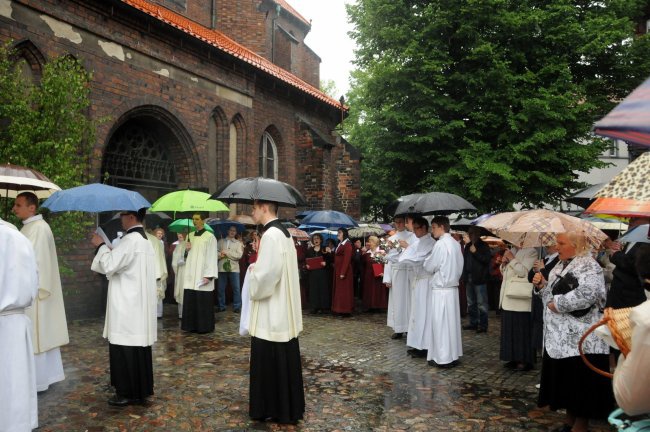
(15, 179)
(535, 228)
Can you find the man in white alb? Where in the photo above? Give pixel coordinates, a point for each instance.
(396, 278)
(50, 329)
(18, 289)
(446, 264)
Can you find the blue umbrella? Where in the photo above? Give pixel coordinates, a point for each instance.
(221, 226)
(639, 234)
(329, 219)
(311, 228)
(95, 198)
(304, 213)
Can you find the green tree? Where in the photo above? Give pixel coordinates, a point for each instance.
(490, 99)
(329, 88)
(46, 126)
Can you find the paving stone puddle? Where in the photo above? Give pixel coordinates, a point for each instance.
(356, 379)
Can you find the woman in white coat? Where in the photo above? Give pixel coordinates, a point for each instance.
(517, 348)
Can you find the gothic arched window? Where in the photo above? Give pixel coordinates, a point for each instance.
(268, 157)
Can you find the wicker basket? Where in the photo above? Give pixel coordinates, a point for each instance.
(618, 322)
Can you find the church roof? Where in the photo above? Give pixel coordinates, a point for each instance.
(227, 45)
(286, 6)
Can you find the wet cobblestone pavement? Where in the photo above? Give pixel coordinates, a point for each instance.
(356, 379)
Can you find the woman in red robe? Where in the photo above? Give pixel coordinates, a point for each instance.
(375, 293)
(343, 282)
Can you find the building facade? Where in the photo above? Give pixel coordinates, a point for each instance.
(192, 94)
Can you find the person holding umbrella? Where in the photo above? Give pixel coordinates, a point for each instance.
(130, 324)
(201, 269)
(275, 323)
(231, 250)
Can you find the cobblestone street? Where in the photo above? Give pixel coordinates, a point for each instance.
(356, 379)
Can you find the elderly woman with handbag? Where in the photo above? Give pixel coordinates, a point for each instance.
(517, 348)
(572, 297)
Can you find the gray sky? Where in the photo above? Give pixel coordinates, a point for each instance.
(328, 38)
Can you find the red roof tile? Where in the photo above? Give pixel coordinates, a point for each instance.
(227, 45)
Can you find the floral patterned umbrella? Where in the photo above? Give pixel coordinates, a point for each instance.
(535, 228)
(298, 234)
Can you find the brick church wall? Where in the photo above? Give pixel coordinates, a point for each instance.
(143, 68)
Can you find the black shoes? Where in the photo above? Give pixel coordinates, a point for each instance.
(396, 336)
(444, 366)
(236, 310)
(470, 327)
(481, 330)
(416, 353)
(119, 401)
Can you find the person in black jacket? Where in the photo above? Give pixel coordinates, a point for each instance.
(543, 266)
(475, 275)
(626, 289)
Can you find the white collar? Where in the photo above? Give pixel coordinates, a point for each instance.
(33, 219)
(551, 257)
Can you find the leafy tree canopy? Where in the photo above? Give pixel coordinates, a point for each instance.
(490, 99)
(46, 126)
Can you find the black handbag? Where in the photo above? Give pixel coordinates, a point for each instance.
(564, 285)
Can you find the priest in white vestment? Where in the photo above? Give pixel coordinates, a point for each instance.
(446, 264)
(161, 271)
(276, 385)
(420, 318)
(130, 325)
(18, 289)
(50, 328)
(178, 266)
(396, 278)
(201, 269)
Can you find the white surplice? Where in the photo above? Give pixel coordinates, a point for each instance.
(18, 289)
(202, 262)
(446, 264)
(399, 294)
(161, 271)
(420, 318)
(178, 265)
(131, 303)
(50, 328)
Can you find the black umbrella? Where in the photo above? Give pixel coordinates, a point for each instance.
(585, 197)
(247, 190)
(152, 220)
(398, 207)
(434, 203)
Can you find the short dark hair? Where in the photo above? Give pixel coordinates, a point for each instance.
(139, 215)
(30, 197)
(441, 221)
(474, 230)
(345, 233)
(420, 221)
(317, 235)
(273, 206)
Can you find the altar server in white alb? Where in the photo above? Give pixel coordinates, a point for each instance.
(276, 386)
(130, 325)
(446, 264)
(161, 271)
(201, 269)
(18, 288)
(50, 329)
(396, 278)
(420, 317)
